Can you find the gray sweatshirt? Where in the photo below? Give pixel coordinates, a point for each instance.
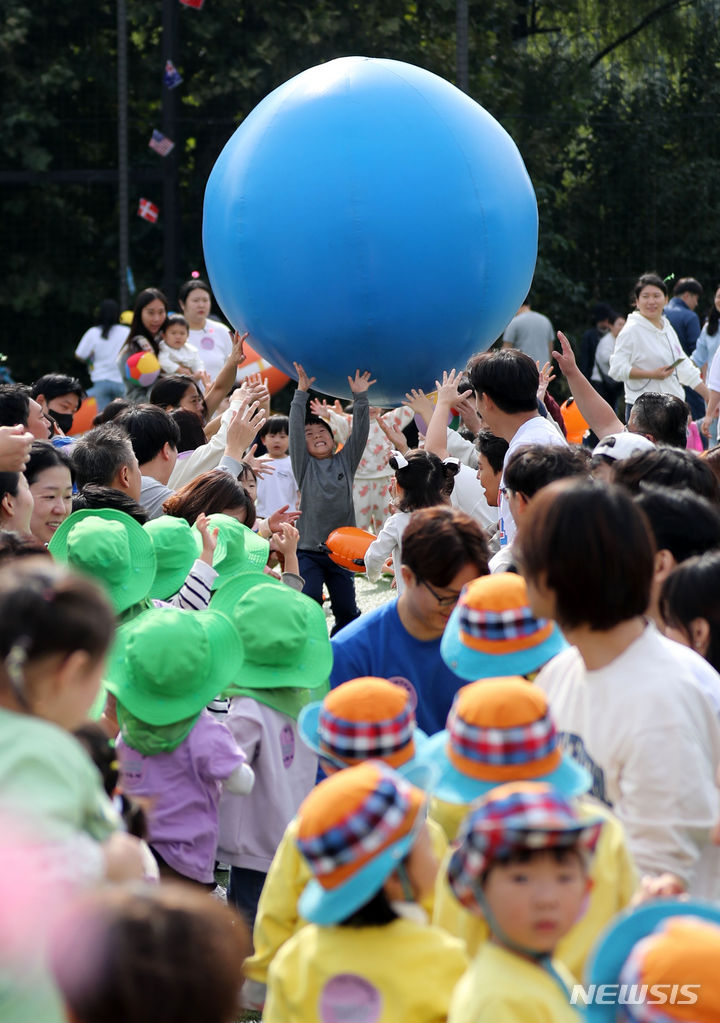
(326, 484)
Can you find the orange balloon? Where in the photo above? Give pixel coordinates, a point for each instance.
(274, 378)
(82, 420)
(574, 422)
(347, 547)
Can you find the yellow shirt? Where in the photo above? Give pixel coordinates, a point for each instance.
(614, 880)
(277, 916)
(403, 971)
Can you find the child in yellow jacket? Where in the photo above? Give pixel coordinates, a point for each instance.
(363, 719)
(366, 953)
(500, 730)
(521, 862)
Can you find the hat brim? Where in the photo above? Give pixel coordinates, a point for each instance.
(326, 907)
(569, 778)
(474, 664)
(313, 663)
(309, 729)
(616, 942)
(169, 579)
(252, 558)
(143, 563)
(224, 662)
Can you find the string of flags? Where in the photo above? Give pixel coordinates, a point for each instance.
(148, 210)
(160, 143)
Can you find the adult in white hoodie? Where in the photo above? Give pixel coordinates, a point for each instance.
(648, 355)
(624, 698)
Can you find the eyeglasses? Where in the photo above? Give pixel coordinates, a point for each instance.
(443, 601)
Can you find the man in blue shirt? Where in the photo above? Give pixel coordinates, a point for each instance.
(680, 310)
(442, 550)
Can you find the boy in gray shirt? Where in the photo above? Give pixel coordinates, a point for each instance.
(325, 480)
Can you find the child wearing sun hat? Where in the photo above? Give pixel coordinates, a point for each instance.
(498, 731)
(363, 834)
(363, 719)
(185, 575)
(521, 862)
(287, 661)
(165, 666)
(492, 632)
(112, 548)
(661, 963)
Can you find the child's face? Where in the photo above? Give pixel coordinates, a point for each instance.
(489, 479)
(318, 441)
(250, 484)
(175, 336)
(277, 444)
(536, 903)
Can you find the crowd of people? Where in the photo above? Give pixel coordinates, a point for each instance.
(227, 793)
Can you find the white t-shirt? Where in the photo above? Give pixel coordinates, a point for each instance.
(102, 352)
(214, 344)
(535, 431)
(469, 496)
(276, 489)
(651, 741)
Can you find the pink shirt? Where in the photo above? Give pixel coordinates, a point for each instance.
(184, 788)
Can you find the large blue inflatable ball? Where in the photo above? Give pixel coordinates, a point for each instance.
(367, 214)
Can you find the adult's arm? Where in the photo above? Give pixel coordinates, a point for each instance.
(596, 412)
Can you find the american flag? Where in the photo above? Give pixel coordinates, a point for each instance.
(161, 143)
(193, 3)
(171, 75)
(148, 210)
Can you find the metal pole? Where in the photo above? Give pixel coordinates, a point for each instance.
(123, 192)
(169, 211)
(462, 79)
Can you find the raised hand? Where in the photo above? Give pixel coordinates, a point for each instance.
(209, 538)
(282, 515)
(304, 381)
(260, 466)
(447, 388)
(565, 358)
(243, 428)
(319, 408)
(360, 382)
(420, 403)
(546, 376)
(238, 351)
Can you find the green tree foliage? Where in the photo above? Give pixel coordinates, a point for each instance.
(611, 102)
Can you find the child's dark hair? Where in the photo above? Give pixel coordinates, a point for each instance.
(376, 912)
(682, 522)
(93, 495)
(176, 320)
(275, 424)
(46, 609)
(111, 410)
(192, 435)
(14, 545)
(426, 480)
(150, 953)
(493, 448)
(692, 590)
(313, 420)
(670, 468)
(102, 753)
(520, 857)
(534, 466)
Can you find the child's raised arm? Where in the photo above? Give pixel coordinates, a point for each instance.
(355, 444)
(296, 432)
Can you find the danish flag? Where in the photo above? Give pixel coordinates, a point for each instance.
(148, 210)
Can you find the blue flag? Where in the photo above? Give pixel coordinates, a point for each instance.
(171, 75)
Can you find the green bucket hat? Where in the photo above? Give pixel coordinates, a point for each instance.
(167, 664)
(244, 550)
(177, 544)
(284, 634)
(111, 547)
